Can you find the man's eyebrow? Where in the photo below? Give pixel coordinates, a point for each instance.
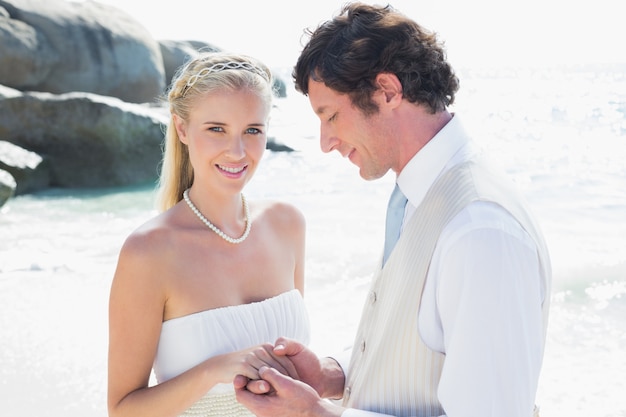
(320, 110)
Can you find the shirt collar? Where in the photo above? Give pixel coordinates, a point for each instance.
(422, 170)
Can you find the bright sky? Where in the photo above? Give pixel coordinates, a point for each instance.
(476, 32)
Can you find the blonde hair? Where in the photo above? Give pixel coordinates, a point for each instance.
(206, 73)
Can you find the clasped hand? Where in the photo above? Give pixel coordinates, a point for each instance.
(295, 392)
(296, 360)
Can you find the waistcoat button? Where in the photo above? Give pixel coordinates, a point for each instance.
(373, 297)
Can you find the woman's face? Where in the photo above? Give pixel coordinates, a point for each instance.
(226, 135)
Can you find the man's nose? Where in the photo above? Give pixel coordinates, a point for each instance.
(328, 141)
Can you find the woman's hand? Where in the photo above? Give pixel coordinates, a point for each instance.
(246, 364)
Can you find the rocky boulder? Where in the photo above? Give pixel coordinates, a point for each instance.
(30, 170)
(58, 46)
(6, 92)
(80, 86)
(7, 186)
(177, 53)
(88, 140)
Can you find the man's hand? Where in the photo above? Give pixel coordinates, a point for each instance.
(288, 398)
(324, 375)
(306, 363)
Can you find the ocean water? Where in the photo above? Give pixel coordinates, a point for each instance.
(560, 134)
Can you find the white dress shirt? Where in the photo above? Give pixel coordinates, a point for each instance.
(483, 276)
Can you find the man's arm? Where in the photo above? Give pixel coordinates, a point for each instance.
(489, 298)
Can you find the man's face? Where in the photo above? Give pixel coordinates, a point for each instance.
(364, 140)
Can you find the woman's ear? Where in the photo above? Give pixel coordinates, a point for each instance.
(390, 86)
(181, 128)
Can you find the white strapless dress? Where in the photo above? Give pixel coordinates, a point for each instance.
(189, 340)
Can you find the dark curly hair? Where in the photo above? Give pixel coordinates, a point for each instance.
(349, 51)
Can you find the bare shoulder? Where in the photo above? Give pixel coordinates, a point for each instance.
(280, 214)
(147, 249)
(150, 238)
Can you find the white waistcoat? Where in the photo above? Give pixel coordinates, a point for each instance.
(391, 370)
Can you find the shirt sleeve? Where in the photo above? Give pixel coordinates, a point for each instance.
(343, 359)
(487, 312)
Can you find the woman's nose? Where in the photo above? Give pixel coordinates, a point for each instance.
(236, 147)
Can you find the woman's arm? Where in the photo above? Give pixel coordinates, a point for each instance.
(136, 305)
(137, 301)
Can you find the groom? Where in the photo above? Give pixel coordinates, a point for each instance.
(456, 318)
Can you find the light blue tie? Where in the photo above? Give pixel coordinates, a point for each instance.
(395, 214)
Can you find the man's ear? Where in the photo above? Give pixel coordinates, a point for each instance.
(181, 128)
(390, 86)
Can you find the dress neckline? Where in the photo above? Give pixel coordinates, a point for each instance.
(231, 307)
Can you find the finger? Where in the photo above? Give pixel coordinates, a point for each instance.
(259, 386)
(240, 381)
(277, 380)
(287, 347)
(249, 399)
(257, 357)
(262, 357)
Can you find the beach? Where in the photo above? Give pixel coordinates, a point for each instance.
(560, 134)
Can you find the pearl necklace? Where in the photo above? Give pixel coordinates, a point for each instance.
(214, 227)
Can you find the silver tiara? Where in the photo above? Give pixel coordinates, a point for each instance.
(222, 66)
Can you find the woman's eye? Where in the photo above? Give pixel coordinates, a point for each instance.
(333, 117)
(253, 131)
(216, 129)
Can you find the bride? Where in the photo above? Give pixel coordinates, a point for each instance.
(202, 290)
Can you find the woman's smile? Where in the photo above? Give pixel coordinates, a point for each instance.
(232, 171)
